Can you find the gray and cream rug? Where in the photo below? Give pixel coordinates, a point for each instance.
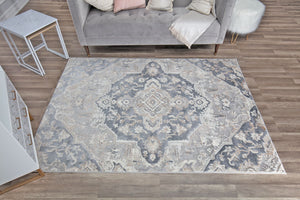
(154, 115)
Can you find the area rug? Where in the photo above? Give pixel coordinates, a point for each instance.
(154, 115)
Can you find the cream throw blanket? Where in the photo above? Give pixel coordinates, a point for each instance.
(189, 27)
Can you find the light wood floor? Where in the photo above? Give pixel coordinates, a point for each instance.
(270, 61)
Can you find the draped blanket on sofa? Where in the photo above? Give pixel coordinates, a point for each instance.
(190, 26)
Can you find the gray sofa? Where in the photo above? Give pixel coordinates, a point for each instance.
(141, 26)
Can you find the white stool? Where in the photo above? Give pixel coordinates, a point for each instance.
(246, 17)
(27, 26)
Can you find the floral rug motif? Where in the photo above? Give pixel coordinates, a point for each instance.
(154, 115)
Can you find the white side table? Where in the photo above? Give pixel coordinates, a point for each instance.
(27, 26)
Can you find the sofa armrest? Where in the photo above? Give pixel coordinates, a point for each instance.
(224, 10)
(79, 11)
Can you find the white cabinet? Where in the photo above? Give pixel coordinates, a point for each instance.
(17, 149)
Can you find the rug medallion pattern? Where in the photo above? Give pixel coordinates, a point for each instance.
(154, 115)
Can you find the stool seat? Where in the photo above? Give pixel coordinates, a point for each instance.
(246, 16)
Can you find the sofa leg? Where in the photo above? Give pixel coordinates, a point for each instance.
(217, 46)
(87, 50)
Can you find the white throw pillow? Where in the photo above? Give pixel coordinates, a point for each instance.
(104, 5)
(165, 5)
(203, 6)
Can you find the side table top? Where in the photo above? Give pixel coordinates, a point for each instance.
(27, 23)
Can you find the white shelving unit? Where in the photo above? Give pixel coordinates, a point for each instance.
(18, 155)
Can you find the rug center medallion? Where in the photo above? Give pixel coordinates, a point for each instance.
(152, 108)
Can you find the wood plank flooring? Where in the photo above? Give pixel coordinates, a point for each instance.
(270, 61)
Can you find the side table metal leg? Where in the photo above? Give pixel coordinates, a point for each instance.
(35, 57)
(61, 40)
(17, 50)
(44, 41)
(10, 46)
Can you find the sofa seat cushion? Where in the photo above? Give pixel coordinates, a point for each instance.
(135, 27)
